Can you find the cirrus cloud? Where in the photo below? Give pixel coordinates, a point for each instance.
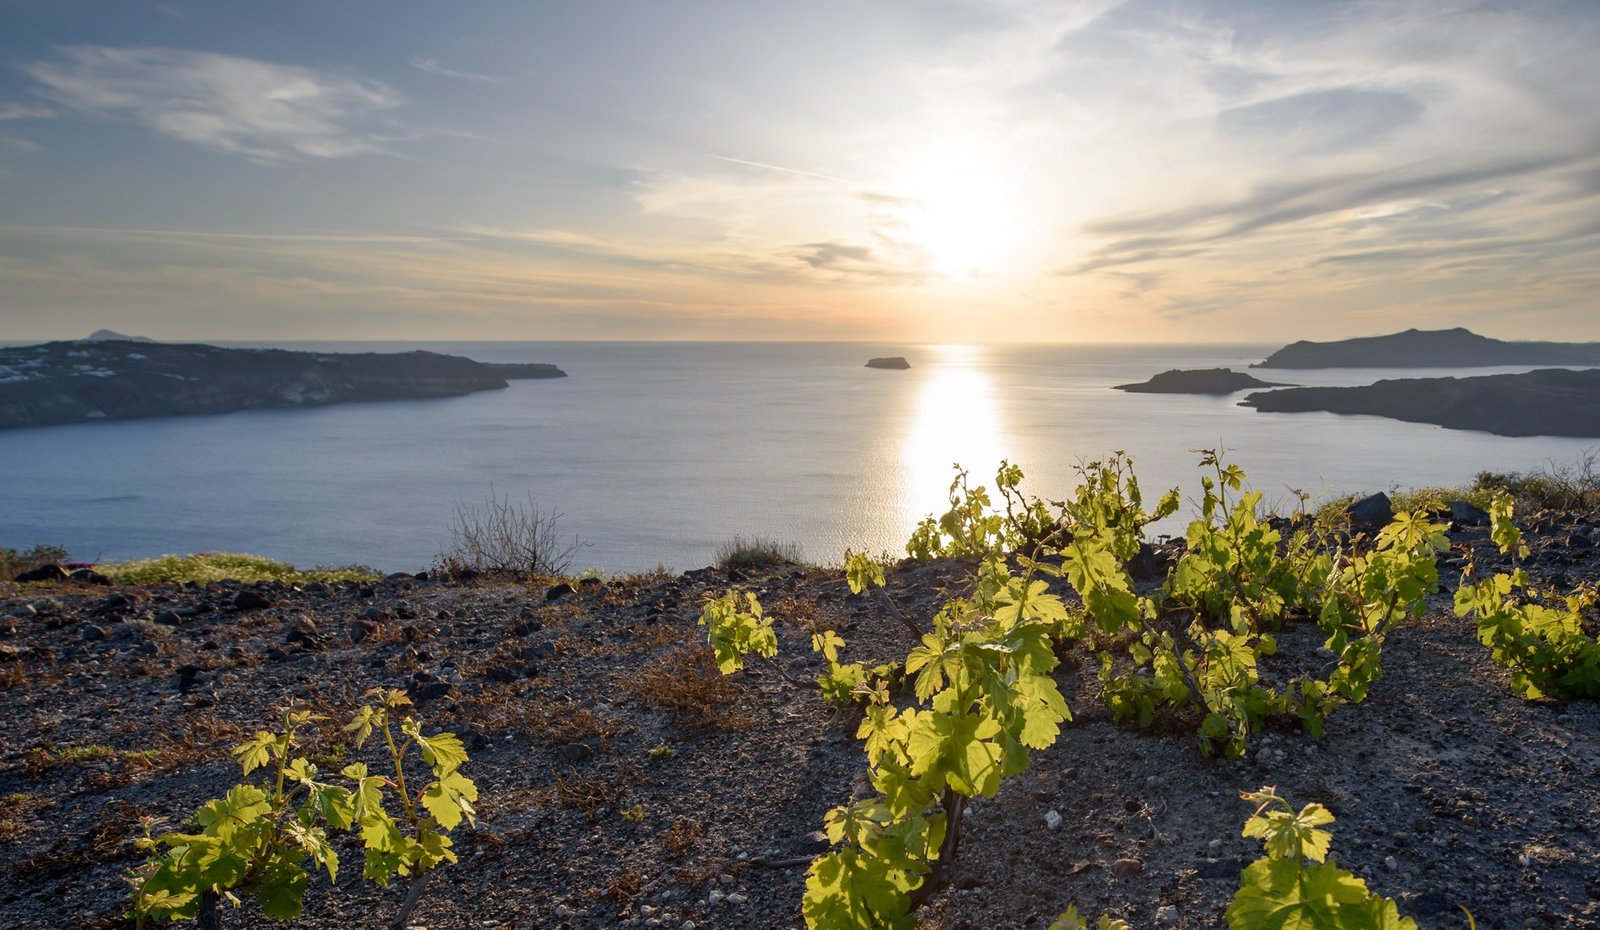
(266, 111)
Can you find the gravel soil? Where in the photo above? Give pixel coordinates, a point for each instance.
(624, 783)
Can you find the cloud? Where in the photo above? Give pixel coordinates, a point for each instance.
(17, 144)
(1328, 120)
(432, 66)
(265, 111)
(1180, 232)
(23, 111)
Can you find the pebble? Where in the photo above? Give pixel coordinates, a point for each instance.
(1390, 863)
(1167, 915)
(737, 899)
(1052, 819)
(714, 898)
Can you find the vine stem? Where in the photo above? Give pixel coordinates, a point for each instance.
(954, 806)
(412, 895)
(207, 916)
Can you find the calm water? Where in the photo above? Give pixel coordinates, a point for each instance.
(656, 453)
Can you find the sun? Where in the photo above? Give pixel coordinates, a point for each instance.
(961, 210)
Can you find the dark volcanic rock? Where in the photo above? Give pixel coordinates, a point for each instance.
(1371, 512)
(1441, 348)
(71, 382)
(1547, 402)
(894, 362)
(51, 572)
(1197, 381)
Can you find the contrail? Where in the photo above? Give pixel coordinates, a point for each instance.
(804, 174)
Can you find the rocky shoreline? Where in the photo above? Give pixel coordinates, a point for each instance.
(1546, 402)
(624, 783)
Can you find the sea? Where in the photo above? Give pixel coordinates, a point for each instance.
(656, 454)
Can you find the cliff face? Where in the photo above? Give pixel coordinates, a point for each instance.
(70, 382)
(1196, 381)
(1548, 402)
(1443, 348)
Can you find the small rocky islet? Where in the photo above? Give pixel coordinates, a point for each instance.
(1197, 381)
(625, 783)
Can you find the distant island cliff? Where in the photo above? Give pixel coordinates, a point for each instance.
(1441, 348)
(892, 362)
(1196, 381)
(116, 379)
(1546, 402)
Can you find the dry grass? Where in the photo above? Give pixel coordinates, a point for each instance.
(681, 837)
(687, 685)
(627, 884)
(586, 793)
(17, 813)
(549, 722)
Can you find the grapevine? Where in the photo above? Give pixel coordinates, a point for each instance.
(1551, 644)
(256, 841)
(981, 674)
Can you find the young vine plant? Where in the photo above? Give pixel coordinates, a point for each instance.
(983, 696)
(257, 840)
(1549, 642)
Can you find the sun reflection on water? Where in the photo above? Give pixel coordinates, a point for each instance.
(956, 420)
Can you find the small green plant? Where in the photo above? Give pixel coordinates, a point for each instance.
(253, 842)
(224, 566)
(757, 552)
(257, 840)
(1294, 885)
(1549, 642)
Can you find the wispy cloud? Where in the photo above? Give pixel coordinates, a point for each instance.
(432, 66)
(266, 111)
(23, 111)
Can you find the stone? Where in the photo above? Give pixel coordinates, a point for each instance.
(1052, 819)
(249, 600)
(1166, 915)
(1371, 512)
(1127, 867)
(1466, 513)
(89, 576)
(51, 572)
(558, 591)
(575, 752)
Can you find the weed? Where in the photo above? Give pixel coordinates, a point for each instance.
(16, 810)
(627, 884)
(634, 814)
(219, 566)
(504, 537)
(586, 793)
(662, 751)
(757, 552)
(14, 562)
(681, 837)
(687, 685)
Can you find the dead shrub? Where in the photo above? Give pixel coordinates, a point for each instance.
(687, 685)
(681, 837)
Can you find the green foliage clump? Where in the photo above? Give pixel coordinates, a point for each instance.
(225, 566)
(1294, 884)
(258, 840)
(1549, 642)
(757, 552)
(981, 675)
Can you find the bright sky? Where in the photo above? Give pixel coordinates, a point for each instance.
(920, 170)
